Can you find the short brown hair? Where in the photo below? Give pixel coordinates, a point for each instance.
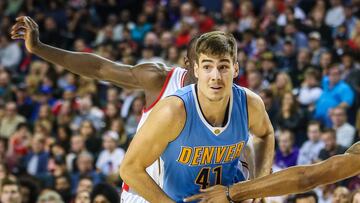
(216, 43)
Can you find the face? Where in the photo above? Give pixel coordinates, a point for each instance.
(62, 184)
(334, 75)
(325, 60)
(10, 194)
(329, 140)
(356, 198)
(111, 110)
(37, 144)
(288, 100)
(306, 200)
(25, 194)
(77, 143)
(109, 143)
(86, 128)
(341, 195)
(338, 117)
(82, 197)
(101, 199)
(254, 80)
(313, 132)
(285, 142)
(215, 76)
(281, 80)
(84, 164)
(85, 185)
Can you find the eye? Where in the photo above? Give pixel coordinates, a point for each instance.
(223, 67)
(206, 67)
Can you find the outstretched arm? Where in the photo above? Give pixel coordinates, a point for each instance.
(296, 179)
(146, 76)
(148, 144)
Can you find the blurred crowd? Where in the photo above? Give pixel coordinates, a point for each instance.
(63, 137)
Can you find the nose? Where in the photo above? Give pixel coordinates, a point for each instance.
(215, 74)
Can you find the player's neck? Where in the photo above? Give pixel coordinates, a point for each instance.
(189, 78)
(215, 112)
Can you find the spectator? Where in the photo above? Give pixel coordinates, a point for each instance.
(111, 156)
(5, 86)
(85, 165)
(85, 184)
(36, 161)
(345, 133)
(287, 154)
(82, 197)
(292, 118)
(281, 86)
(63, 187)
(77, 143)
(10, 192)
(308, 197)
(341, 195)
(309, 151)
(302, 62)
(336, 93)
(104, 193)
(315, 48)
(89, 134)
(331, 148)
(271, 106)
(310, 91)
(135, 114)
(335, 16)
(88, 112)
(10, 53)
(355, 197)
(29, 190)
(256, 82)
(49, 195)
(10, 121)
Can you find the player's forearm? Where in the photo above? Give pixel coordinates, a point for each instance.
(143, 184)
(280, 183)
(264, 154)
(84, 64)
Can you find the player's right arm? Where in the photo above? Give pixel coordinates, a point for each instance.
(295, 179)
(147, 76)
(164, 124)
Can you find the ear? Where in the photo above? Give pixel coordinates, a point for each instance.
(236, 71)
(196, 70)
(186, 61)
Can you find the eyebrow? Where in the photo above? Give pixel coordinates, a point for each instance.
(211, 61)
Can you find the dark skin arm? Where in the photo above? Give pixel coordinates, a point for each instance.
(148, 76)
(296, 179)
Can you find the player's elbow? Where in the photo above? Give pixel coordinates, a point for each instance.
(125, 171)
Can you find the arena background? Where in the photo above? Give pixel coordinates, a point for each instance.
(287, 53)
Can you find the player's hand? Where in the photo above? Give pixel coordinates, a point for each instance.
(214, 194)
(25, 28)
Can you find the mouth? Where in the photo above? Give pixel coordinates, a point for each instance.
(216, 88)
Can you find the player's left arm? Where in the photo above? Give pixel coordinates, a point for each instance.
(296, 179)
(263, 140)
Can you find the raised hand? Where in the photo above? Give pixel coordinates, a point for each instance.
(25, 28)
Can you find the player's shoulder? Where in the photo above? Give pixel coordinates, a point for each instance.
(171, 106)
(184, 91)
(254, 101)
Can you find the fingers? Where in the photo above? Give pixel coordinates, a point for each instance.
(193, 198)
(28, 23)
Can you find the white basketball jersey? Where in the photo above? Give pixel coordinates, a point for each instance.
(173, 82)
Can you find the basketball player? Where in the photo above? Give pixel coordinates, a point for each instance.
(199, 132)
(297, 179)
(155, 79)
